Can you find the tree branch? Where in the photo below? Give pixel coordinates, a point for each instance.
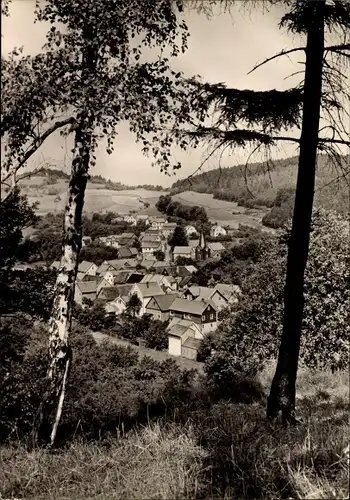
(332, 48)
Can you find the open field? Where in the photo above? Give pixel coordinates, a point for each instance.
(51, 198)
(224, 212)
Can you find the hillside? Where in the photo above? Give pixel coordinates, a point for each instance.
(263, 182)
(49, 189)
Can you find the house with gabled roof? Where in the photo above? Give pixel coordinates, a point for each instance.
(143, 218)
(195, 292)
(166, 282)
(190, 231)
(201, 312)
(216, 249)
(182, 251)
(105, 266)
(145, 291)
(217, 231)
(168, 229)
(85, 290)
(159, 306)
(184, 337)
(230, 292)
(157, 222)
(115, 298)
(86, 267)
(130, 219)
(149, 247)
(127, 252)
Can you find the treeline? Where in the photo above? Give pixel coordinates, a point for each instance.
(54, 174)
(258, 184)
(188, 213)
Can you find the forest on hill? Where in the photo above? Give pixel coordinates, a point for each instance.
(260, 183)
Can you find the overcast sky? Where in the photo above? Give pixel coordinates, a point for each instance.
(221, 49)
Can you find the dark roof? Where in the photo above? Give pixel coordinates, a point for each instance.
(134, 278)
(84, 266)
(164, 301)
(87, 286)
(113, 292)
(191, 306)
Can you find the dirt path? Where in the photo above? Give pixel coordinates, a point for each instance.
(184, 363)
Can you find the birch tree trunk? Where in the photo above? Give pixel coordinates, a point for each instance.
(282, 394)
(60, 353)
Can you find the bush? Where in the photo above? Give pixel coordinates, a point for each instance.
(109, 385)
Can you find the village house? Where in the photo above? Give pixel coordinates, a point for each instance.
(148, 248)
(206, 293)
(127, 252)
(159, 306)
(108, 276)
(101, 284)
(115, 298)
(185, 251)
(168, 283)
(190, 231)
(86, 267)
(143, 218)
(130, 219)
(145, 291)
(201, 312)
(85, 290)
(217, 231)
(123, 264)
(230, 292)
(157, 222)
(168, 229)
(148, 262)
(216, 249)
(184, 338)
(105, 266)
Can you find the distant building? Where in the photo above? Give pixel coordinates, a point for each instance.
(185, 251)
(217, 231)
(130, 219)
(157, 222)
(86, 267)
(143, 218)
(85, 290)
(168, 229)
(148, 248)
(190, 231)
(216, 249)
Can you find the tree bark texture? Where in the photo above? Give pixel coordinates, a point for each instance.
(283, 389)
(60, 353)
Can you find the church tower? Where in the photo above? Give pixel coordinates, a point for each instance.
(202, 250)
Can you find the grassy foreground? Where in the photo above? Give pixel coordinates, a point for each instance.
(229, 451)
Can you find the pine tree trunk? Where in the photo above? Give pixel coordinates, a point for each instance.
(282, 394)
(60, 354)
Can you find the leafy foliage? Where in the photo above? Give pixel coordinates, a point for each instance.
(246, 340)
(109, 385)
(178, 238)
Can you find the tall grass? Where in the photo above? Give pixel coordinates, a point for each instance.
(226, 451)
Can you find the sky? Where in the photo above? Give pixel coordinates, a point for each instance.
(223, 49)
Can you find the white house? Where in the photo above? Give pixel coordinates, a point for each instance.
(149, 247)
(130, 219)
(166, 282)
(186, 252)
(168, 229)
(217, 231)
(116, 298)
(86, 268)
(180, 331)
(145, 291)
(143, 218)
(157, 222)
(190, 230)
(230, 292)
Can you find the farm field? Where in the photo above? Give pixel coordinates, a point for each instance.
(224, 212)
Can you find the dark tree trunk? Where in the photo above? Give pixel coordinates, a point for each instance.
(282, 394)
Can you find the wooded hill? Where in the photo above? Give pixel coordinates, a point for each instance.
(259, 183)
